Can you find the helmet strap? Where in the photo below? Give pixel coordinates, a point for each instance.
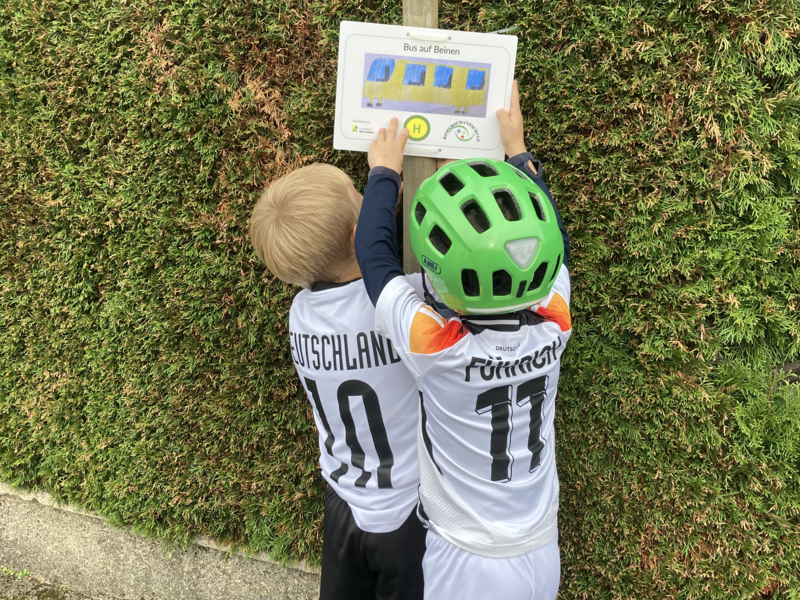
(426, 292)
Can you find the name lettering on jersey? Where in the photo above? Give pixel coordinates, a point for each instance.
(490, 369)
(338, 353)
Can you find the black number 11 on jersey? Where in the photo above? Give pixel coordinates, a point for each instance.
(498, 402)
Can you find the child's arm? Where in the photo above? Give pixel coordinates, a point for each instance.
(512, 134)
(376, 234)
(416, 331)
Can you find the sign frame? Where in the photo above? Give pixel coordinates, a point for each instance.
(446, 85)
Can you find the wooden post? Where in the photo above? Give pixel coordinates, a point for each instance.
(416, 13)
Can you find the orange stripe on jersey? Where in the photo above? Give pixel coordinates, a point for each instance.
(430, 334)
(557, 311)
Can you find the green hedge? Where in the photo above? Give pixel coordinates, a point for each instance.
(145, 371)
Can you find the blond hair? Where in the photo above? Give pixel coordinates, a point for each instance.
(302, 223)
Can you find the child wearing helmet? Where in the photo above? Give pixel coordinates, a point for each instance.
(493, 247)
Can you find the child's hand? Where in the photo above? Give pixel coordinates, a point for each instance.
(512, 134)
(386, 151)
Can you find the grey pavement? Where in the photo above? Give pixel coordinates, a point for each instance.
(88, 556)
(16, 587)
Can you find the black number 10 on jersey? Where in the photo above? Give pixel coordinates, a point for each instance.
(349, 389)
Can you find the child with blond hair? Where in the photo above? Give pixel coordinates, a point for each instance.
(365, 403)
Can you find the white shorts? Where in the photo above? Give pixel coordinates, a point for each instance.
(451, 572)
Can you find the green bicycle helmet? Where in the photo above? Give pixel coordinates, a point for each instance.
(487, 237)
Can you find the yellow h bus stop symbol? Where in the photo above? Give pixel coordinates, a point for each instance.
(418, 127)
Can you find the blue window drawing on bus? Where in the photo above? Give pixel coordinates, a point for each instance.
(381, 69)
(399, 80)
(414, 75)
(443, 77)
(476, 80)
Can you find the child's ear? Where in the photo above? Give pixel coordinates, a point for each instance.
(353, 238)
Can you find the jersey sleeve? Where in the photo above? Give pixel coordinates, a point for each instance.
(415, 281)
(419, 334)
(556, 306)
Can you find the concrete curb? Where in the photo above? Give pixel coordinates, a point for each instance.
(202, 541)
(74, 547)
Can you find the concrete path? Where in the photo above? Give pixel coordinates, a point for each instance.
(86, 555)
(19, 587)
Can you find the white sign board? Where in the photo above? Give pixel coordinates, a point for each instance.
(445, 86)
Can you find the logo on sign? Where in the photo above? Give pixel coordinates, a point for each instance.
(431, 265)
(462, 134)
(463, 131)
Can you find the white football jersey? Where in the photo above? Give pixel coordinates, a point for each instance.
(365, 403)
(488, 480)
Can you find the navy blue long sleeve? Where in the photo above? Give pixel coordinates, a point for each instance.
(376, 235)
(520, 161)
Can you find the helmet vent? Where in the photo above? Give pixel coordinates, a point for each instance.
(538, 277)
(508, 205)
(440, 240)
(419, 212)
(483, 169)
(521, 289)
(522, 175)
(537, 206)
(469, 281)
(501, 283)
(451, 184)
(558, 266)
(475, 215)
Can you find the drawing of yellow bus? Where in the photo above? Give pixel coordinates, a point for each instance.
(409, 81)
